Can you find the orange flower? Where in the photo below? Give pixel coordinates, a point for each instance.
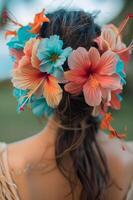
(29, 77)
(12, 33)
(114, 134)
(38, 20)
(106, 125)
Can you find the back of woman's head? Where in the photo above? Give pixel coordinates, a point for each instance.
(78, 128)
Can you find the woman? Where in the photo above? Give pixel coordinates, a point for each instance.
(71, 158)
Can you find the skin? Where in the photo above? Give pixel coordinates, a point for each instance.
(26, 157)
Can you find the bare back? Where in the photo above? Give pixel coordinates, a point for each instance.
(49, 183)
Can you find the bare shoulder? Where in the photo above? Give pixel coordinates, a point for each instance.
(17, 158)
(26, 152)
(115, 148)
(18, 161)
(119, 157)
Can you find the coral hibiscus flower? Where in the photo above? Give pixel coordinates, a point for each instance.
(111, 39)
(27, 76)
(92, 74)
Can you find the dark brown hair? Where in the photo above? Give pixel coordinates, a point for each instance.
(77, 136)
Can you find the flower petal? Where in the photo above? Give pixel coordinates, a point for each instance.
(73, 88)
(125, 55)
(29, 46)
(76, 75)
(25, 61)
(79, 58)
(46, 66)
(40, 107)
(52, 91)
(92, 95)
(102, 44)
(55, 44)
(38, 20)
(115, 102)
(66, 52)
(60, 61)
(17, 54)
(58, 73)
(110, 82)
(109, 36)
(26, 77)
(21, 96)
(34, 59)
(106, 94)
(94, 57)
(107, 64)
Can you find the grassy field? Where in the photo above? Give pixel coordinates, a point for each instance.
(15, 126)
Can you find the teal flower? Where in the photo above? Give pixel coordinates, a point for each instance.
(40, 107)
(120, 70)
(52, 55)
(23, 35)
(21, 98)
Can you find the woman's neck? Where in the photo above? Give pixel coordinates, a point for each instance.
(49, 134)
(45, 140)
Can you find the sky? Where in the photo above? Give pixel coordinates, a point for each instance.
(24, 13)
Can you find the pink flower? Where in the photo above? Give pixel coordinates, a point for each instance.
(92, 74)
(110, 39)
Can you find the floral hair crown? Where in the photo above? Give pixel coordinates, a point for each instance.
(98, 73)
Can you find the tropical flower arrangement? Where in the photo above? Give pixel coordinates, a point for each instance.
(38, 71)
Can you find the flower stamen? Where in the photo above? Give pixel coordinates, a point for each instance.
(93, 82)
(54, 58)
(30, 95)
(23, 105)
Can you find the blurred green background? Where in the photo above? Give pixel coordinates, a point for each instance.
(15, 126)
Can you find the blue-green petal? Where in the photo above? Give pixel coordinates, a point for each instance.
(58, 73)
(23, 35)
(119, 97)
(66, 52)
(40, 107)
(20, 96)
(120, 70)
(46, 66)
